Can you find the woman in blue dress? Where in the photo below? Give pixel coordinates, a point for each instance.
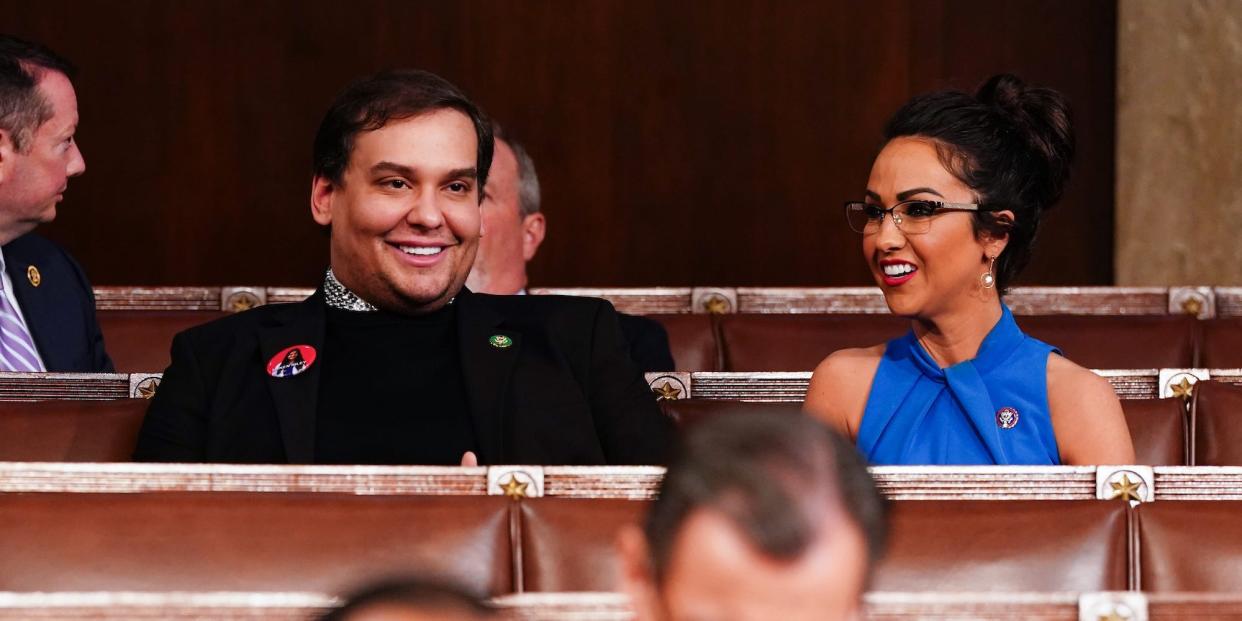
(952, 207)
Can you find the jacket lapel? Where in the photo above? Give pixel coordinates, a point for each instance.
(489, 353)
(296, 397)
(34, 308)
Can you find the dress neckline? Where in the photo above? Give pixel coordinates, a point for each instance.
(1000, 342)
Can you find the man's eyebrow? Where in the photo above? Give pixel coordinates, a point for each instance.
(391, 167)
(901, 196)
(467, 173)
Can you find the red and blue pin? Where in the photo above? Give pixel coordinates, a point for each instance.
(291, 361)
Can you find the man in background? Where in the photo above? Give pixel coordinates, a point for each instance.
(513, 229)
(760, 516)
(412, 599)
(47, 308)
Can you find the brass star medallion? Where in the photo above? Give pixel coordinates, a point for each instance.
(513, 489)
(716, 305)
(1183, 389)
(1192, 306)
(667, 391)
(146, 388)
(1126, 489)
(242, 301)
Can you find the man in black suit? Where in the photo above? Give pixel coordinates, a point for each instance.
(397, 361)
(514, 228)
(47, 309)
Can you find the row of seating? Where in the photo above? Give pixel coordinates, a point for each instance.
(1200, 302)
(139, 340)
(887, 606)
(716, 385)
(799, 342)
(106, 430)
(193, 541)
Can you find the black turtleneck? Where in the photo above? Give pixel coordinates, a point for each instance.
(391, 390)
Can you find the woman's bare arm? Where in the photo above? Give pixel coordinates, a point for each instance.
(1086, 416)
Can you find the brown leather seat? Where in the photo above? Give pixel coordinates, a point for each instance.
(70, 430)
(1220, 344)
(1190, 545)
(1050, 545)
(139, 341)
(692, 339)
(1119, 342)
(1158, 428)
(692, 411)
(567, 544)
(1216, 424)
(799, 342)
(196, 541)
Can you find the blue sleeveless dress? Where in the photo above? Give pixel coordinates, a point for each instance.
(989, 410)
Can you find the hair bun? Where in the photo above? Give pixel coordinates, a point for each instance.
(1042, 117)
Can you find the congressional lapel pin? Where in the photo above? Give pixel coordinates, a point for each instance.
(1006, 418)
(500, 341)
(291, 361)
(33, 275)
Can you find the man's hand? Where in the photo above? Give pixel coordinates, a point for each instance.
(469, 460)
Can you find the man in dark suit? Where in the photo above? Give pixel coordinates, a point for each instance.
(47, 309)
(514, 228)
(400, 362)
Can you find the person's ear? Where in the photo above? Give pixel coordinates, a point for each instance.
(8, 151)
(637, 577)
(322, 193)
(994, 243)
(534, 227)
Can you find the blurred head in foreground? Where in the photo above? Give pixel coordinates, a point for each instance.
(411, 599)
(760, 516)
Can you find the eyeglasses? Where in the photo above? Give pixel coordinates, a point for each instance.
(911, 217)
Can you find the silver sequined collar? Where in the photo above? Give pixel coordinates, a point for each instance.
(337, 296)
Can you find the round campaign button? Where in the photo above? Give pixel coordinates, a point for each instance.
(1006, 418)
(291, 361)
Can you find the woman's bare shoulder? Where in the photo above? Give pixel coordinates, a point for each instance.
(843, 358)
(840, 385)
(1068, 378)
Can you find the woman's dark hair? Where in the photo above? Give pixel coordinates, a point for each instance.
(1010, 143)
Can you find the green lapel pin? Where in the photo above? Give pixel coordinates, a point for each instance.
(500, 341)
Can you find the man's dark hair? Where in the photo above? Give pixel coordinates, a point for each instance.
(411, 592)
(377, 100)
(1010, 143)
(776, 476)
(22, 107)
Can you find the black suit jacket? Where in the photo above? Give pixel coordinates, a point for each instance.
(564, 392)
(60, 311)
(648, 342)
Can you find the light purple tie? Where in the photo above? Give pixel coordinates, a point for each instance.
(17, 350)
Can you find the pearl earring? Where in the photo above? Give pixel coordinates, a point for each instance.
(987, 278)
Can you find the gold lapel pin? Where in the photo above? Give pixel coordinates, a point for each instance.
(500, 341)
(33, 275)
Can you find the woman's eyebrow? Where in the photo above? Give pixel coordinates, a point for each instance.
(901, 196)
